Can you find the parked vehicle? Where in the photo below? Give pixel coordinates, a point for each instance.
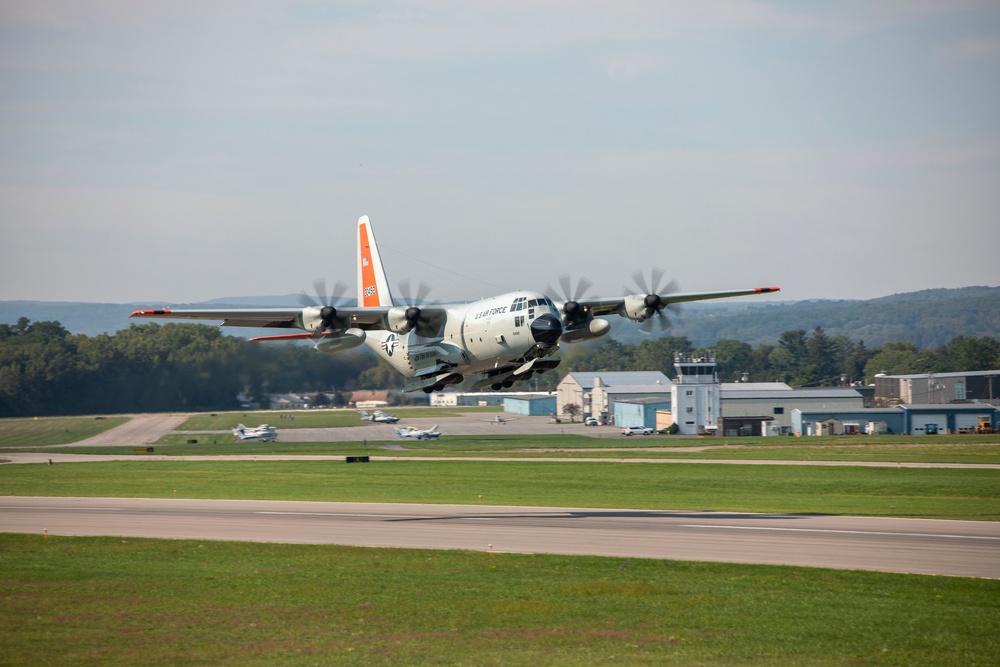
(590, 421)
(637, 430)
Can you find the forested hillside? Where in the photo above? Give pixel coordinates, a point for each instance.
(45, 370)
(927, 319)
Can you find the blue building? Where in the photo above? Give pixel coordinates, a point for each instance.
(902, 419)
(639, 411)
(535, 406)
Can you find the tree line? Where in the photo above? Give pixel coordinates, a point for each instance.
(45, 370)
(800, 358)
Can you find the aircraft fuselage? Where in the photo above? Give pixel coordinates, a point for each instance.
(476, 337)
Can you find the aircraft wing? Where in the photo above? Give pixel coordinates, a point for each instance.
(280, 318)
(606, 305)
(609, 305)
(284, 318)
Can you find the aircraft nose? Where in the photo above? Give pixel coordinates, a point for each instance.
(546, 329)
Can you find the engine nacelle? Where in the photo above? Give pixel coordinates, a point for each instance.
(312, 318)
(341, 340)
(402, 319)
(596, 328)
(639, 307)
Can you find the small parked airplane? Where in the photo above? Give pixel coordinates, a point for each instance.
(499, 420)
(263, 433)
(425, 434)
(500, 340)
(378, 416)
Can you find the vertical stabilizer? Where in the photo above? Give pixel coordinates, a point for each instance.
(373, 288)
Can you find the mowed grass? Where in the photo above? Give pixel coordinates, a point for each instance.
(44, 431)
(318, 418)
(113, 601)
(851, 490)
(572, 446)
(977, 450)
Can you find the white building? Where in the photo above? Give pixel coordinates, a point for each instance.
(776, 405)
(448, 399)
(695, 397)
(596, 392)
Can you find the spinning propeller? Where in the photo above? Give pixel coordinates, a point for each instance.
(425, 326)
(573, 313)
(327, 303)
(654, 320)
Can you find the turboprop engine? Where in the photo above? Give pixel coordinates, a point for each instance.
(639, 307)
(402, 319)
(318, 319)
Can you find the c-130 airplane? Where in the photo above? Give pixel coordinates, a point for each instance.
(503, 339)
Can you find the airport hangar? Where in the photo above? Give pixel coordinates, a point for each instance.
(647, 398)
(935, 388)
(927, 419)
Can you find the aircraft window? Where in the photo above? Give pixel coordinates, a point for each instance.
(532, 303)
(517, 306)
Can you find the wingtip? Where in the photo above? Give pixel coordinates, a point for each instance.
(765, 290)
(147, 313)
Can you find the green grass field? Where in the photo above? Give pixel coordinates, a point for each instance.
(124, 602)
(931, 493)
(898, 449)
(24, 434)
(319, 418)
(109, 601)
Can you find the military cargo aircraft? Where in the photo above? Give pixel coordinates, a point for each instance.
(498, 341)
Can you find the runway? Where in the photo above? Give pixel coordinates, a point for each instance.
(959, 548)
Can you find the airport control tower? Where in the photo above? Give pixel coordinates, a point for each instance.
(695, 394)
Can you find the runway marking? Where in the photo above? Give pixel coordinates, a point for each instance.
(847, 532)
(367, 516)
(61, 509)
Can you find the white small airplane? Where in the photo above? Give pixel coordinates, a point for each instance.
(499, 420)
(263, 433)
(424, 434)
(499, 340)
(378, 416)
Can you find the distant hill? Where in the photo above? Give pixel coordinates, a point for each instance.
(929, 318)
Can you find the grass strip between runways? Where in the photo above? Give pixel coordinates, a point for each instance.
(850, 490)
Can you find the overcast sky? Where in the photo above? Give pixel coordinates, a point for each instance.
(177, 151)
